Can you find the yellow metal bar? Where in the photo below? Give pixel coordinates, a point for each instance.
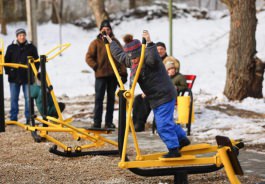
(136, 145)
(2, 59)
(48, 129)
(114, 67)
(55, 102)
(228, 166)
(62, 48)
(159, 163)
(114, 143)
(47, 123)
(87, 146)
(13, 65)
(55, 141)
(72, 127)
(130, 98)
(16, 123)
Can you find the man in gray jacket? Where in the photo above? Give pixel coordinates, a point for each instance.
(157, 87)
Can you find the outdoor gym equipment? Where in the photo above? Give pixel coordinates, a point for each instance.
(195, 159)
(51, 124)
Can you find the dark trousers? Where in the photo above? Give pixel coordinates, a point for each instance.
(103, 84)
(141, 111)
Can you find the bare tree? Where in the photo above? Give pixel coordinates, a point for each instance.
(244, 70)
(98, 8)
(3, 18)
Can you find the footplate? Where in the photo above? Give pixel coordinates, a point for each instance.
(55, 151)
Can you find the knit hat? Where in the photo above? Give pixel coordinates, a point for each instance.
(170, 65)
(19, 31)
(171, 59)
(105, 23)
(133, 49)
(161, 44)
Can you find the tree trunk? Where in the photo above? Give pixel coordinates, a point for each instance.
(55, 12)
(32, 21)
(3, 18)
(98, 8)
(132, 4)
(244, 72)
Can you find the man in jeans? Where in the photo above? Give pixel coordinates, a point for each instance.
(17, 52)
(97, 59)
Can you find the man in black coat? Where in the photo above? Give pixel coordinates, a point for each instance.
(17, 52)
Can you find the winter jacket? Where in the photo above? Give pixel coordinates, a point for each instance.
(179, 81)
(18, 53)
(153, 80)
(97, 59)
(36, 93)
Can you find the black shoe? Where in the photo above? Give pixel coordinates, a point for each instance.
(96, 125)
(109, 125)
(173, 153)
(184, 142)
(27, 122)
(139, 128)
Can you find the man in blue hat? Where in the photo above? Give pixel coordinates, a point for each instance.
(17, 52)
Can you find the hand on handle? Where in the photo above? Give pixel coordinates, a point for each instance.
(146, 36)
(106, 37)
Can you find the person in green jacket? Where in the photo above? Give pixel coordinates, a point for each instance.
(172, 66)
(36, 93)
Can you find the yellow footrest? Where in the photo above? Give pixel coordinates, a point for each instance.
(195, 147)
(184, 157)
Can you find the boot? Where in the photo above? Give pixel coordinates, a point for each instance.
(109, 125)
(96, 125)
(184, 142)
(173, 153)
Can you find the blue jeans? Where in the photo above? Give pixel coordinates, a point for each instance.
(170, 132)
(14, 91)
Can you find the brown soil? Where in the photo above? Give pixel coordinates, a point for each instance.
(23, 161)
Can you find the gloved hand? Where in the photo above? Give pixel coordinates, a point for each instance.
(108, 38)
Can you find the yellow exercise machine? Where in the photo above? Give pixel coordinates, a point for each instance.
(51, 124)
(195, 158)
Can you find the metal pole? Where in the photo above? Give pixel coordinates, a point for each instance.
(43, 60)
(30, 100)
(122, 120)
(2, 104)
(170, 26)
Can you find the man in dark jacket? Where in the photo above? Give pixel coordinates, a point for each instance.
(158, 89)
(18, 52)
(97, 59)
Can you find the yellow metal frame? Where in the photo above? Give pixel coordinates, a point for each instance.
(60, 124)
(189, 153)
(2, 60)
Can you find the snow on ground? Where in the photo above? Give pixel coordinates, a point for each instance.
(200, 45)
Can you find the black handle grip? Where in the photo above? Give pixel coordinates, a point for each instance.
(143, 41)
(104, 38)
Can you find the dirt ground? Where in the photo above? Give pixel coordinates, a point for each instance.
(24, 161)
